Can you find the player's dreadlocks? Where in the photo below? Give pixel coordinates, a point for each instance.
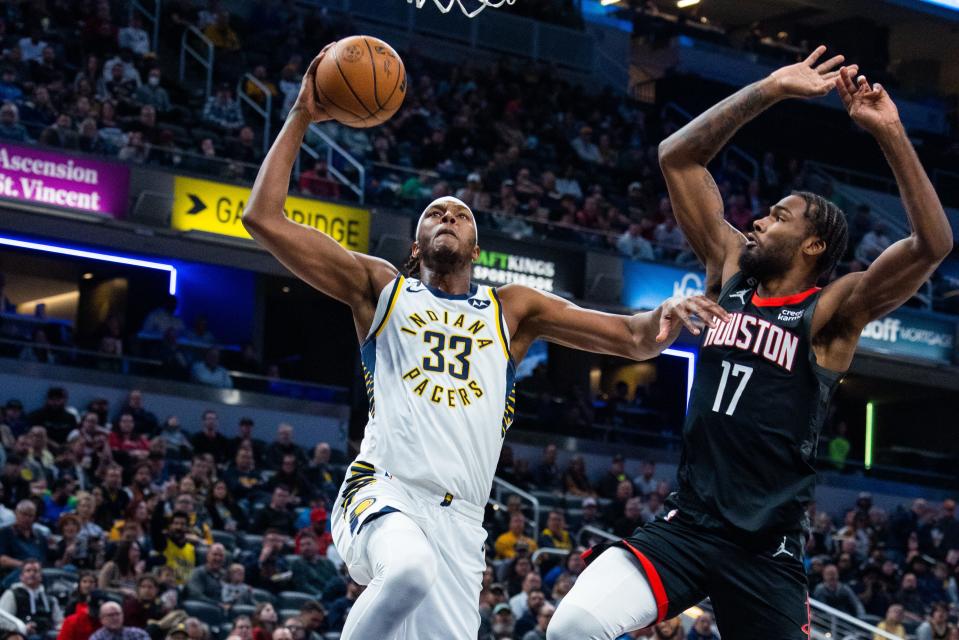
(828, 222)
(412, 267)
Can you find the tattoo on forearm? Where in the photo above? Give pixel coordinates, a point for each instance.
(705, 136)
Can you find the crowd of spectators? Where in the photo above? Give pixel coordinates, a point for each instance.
(114, 518)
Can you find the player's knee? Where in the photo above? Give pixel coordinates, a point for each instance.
(413, 574)
(574, 623)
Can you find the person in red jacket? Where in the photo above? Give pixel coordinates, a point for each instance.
(84, 621)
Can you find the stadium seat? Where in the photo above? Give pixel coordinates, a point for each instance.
(51, 575)
(225, 538)
(288, 613)
(251, 542)
(294, 599)
(238, 610)
(262, 595)
(210, 614)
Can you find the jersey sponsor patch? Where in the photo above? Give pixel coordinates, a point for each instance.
(788, 315)
(476, 303)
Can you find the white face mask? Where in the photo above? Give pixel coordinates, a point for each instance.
(154, 81)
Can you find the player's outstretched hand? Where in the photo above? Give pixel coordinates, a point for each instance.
(692, 312)
(806, 79)
(307, 100)
(868, 105)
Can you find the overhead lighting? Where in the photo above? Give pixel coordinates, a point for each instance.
(683, 4)
(93, 255)
(606, 3)
(88, 276)
(286, 289)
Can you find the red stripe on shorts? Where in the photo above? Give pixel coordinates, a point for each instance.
(655, 582)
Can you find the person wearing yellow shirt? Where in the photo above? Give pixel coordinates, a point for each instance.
(555, 534)
(893, 622)
(506, 543)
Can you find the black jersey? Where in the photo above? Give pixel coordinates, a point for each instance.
(754, 417)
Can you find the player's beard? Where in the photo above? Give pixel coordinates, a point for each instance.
(766, 262)
(443, 259)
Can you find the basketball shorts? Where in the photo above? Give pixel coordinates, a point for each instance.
(757, 587)
(454, 529)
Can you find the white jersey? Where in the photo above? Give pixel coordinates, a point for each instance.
(439, 378)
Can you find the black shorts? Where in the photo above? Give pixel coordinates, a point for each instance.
(757, 587)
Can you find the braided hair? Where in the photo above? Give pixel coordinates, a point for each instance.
(412, 267)
(828, 222)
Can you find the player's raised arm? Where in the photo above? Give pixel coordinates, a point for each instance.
(533, 314)
(683, 157)
(900, 270)
(352, 278)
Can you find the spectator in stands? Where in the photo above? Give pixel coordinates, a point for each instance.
(110, 135)
(317, 528)
(242, 478)
(506, 543)
(244, 438)
(908, 596)
(171, 544)
(209, 372)
(134, 37)
(221, 34)
(120, 88)
(575, 479)
(646, 482)
(321, 473)
(10, 90)
(837, 594)
(225, 514)
(290, 476)
(503, 622)
(892, 623)
(272, 568)
(585, 148)
(39, 351)
(671, 629)
(937, 625)
(57, 502)
(631, 519)
(200, 332)
(111, 619)
(210, 440)
(32, 46)
(609, 483)
(145, 422)
(533, 603)
(162, 318)
(206, 582)
(253, 89)
(84, 621)
(264, 621)
(555, 534)
(313, 616)
(39, 453)
(136, 150)
(146, 605)
(547, 474)
(28, 601)
(38, 109)
(872, 244)
(311, 571)
(54, 414)
(151, 93)
(543, 616)
(10, 127)
(12, 416)
(115, 499)
(283, 445)
(235, 589)
(123, 439)
(275, 515)
(633, 245)
(702, 629)
(316, 181)
(177, 443)
(223, 111)
(20, 541)
(121, 573)
(89, 529)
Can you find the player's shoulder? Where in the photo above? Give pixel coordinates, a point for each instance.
(520, 297)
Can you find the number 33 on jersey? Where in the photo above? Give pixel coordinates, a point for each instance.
(439, 379)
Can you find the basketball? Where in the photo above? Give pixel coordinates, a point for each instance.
(361, 81)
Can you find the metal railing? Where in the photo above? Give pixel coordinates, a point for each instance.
(263, 110)
(731, 151)
(836, 625)
(548, 551)
(500, 487)
(600, 533)
(205, 59)
(334, 152)
(152, 17)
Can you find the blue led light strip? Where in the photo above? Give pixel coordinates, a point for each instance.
(93, 255)
(690, 357)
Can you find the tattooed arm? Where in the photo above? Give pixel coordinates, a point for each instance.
(683, 157)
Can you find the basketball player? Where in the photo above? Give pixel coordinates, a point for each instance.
(438, 355)
(764, 379)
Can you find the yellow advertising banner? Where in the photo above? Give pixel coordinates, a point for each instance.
(215, 207)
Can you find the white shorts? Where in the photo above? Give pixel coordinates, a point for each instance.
(454, 529)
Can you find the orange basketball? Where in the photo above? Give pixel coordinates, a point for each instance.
(361, 81)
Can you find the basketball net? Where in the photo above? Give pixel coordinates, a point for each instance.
(445, 6)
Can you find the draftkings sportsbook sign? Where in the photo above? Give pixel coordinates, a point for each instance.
(506, 261)
(216, 207)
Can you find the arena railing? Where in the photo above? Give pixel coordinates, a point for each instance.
(827, 622)
(204, 59)
(265, 111)
(333, 152)
(731, 151)
(500, 487)
(152, 17)
(599, 533)
(548, 551)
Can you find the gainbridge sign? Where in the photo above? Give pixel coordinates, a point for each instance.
(216, 207)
